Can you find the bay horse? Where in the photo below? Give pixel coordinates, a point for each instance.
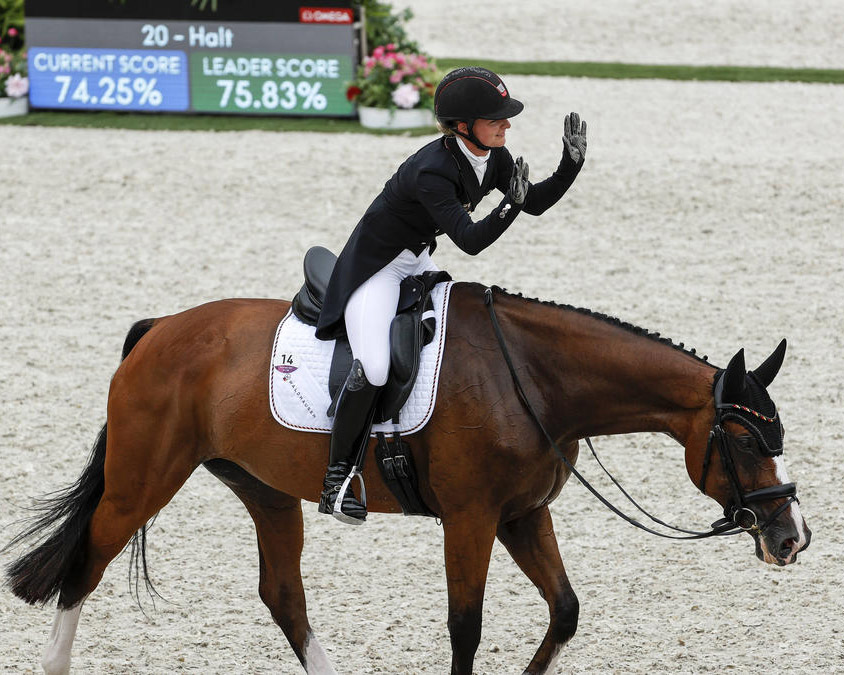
(192, 390)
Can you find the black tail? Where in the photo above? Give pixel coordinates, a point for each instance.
(60, 524)
(136, 332)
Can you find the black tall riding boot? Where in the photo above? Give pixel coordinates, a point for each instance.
(352, 424)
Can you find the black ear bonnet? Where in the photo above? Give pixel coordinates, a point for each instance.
(755, 411)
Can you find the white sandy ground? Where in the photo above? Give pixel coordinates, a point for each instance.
(718, 32)
(710, 212)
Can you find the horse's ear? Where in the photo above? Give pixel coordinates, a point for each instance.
(769, 369)
(734, 378)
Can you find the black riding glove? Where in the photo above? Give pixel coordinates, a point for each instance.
(519, 181)
(574, 137)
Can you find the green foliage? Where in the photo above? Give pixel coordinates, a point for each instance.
(11, 16)
(383, 27)
(395, 73)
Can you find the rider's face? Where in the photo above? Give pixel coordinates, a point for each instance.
(489, 132)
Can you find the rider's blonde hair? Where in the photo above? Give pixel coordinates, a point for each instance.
(446, 128)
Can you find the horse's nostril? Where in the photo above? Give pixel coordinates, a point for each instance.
(786, 548)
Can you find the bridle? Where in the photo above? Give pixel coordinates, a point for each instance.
(737, 511)
(738, 516)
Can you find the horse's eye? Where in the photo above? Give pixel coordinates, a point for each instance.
(744, 442)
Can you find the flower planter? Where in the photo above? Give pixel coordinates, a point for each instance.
(13, 106)
(383, 118)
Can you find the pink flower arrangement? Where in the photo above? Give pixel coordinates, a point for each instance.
(14, 82)
(390, 79)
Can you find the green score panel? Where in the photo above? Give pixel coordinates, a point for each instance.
(270, 84)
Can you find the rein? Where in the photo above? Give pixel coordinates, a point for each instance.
(728, 525)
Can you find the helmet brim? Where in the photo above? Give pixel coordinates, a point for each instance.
(511, 108)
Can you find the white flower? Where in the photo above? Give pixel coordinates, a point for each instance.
(406, 96)
(17, 86)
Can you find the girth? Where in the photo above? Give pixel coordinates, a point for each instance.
(411, 329)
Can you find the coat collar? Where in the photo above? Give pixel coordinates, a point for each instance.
(468, 177)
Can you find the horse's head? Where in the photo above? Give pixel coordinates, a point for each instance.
(739, 462)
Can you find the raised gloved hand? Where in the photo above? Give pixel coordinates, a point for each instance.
(574, 137)
(519, 181)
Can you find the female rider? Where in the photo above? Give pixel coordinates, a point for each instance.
(432, 193)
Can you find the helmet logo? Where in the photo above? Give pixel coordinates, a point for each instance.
(501, 89)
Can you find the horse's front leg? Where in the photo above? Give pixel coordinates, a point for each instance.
(533, 545)
(468, 545)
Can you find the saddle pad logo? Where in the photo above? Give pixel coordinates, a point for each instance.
(286, 369)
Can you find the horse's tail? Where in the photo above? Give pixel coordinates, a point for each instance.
(60, 523)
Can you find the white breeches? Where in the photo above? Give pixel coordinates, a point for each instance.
(371, 309)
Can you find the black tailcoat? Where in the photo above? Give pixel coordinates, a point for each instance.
(432, 192)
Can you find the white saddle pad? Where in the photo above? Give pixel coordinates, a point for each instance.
(299, 375)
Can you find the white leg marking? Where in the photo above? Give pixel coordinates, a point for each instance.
(316, 660)
(55, 659)
(794, 507)
(552, 664)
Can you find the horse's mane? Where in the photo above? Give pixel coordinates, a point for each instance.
(606, 318)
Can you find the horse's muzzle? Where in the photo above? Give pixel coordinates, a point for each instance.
(780, 546)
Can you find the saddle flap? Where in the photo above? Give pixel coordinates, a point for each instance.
(406, 334)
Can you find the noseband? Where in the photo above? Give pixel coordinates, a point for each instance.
(737, 512)
(738, 516)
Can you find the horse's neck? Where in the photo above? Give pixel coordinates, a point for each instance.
(598, 378)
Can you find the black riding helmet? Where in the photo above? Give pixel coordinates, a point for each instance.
(470, 93)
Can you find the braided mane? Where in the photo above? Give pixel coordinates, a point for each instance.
(606, 318)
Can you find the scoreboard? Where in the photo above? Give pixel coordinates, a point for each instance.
(192, 56)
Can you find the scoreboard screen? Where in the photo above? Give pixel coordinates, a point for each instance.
(208, 56)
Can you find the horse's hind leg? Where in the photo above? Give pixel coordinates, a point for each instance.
(141, 474)
(278, 524)
(55, 659)
(533, 545)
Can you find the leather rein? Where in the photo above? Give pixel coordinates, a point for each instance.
(738, 516)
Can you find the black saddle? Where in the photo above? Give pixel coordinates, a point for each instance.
(410, 330)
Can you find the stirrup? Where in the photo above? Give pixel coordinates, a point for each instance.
(340, 493)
